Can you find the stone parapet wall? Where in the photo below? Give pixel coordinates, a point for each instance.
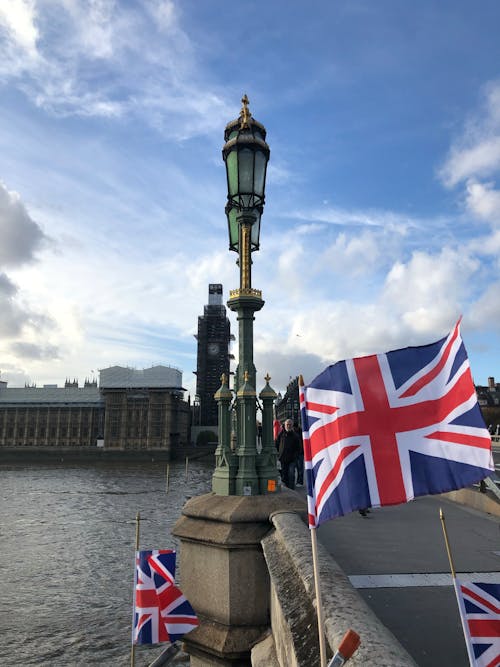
(483, 502)
(288, 555)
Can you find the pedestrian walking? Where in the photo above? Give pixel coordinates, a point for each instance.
(288, 445)
(300, 458)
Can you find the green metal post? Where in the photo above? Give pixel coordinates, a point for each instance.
(266, 463)
(223, 479)
(247, 482)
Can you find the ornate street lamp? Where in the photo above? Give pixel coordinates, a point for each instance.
(246, 155)
(240, 470)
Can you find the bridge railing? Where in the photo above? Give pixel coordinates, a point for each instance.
(287, 551)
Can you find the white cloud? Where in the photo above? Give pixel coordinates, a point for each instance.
(486, 310)
(164, 12)
(418, 302)
(429, 291)
(108, 59)
(483, 200)
(352, 256)
(17, 20)
(20, 236)
(476, 153)
(478, 160)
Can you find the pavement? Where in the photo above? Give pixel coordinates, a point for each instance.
(418, 605)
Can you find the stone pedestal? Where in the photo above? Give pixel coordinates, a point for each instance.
(224, 575)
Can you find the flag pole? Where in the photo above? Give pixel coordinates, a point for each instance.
(470, 654)
(137, 531)
(317, 587)
(319, 606)
(446, 541)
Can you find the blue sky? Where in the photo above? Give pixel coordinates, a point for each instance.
(382, 221)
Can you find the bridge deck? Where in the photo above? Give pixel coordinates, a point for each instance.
(419, 604)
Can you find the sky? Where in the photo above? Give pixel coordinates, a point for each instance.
(382, 219)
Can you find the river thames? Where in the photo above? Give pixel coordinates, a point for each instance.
(67, 539)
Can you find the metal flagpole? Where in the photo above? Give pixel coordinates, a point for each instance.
(461, 611)
(317, 587)
(137, 530)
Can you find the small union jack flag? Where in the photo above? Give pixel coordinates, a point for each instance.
(161, 612)
(383, 429)
(479, 605)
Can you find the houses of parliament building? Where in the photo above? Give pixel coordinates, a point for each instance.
(129, 410)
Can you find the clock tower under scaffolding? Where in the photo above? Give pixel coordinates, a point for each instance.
(214, 336)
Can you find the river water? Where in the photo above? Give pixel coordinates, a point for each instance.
(67, 538)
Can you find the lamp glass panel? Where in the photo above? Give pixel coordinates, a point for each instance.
(260, 173)
(255, 230)
(233, 229)
(232, 172)
(245, 165)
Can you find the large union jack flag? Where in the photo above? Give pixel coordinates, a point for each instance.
(383, 429)
(479, 605)
(161, 612)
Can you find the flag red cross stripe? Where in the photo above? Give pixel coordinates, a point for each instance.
(146, 598)
(434, 372)
(321, 407)
(489, 627)
(381, 422)
(461, 439)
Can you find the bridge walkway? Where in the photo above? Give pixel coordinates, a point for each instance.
(419, 606)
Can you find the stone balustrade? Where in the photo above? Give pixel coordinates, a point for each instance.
(293, 640)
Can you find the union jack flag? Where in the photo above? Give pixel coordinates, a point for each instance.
(479, 606)
(161, 612)
(383, 429)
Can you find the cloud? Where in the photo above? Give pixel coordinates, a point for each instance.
(486, 309)
(108, 59)
(283, 367)
(410, 302)
(20, 239)
(353, 256)
(476, 152)
(483, 200)
(17, 23)
(20, 236)
(357, 217)
(31, 351)
(13, 317)
(429, 291)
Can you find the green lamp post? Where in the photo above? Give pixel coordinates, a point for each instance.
(240, 469)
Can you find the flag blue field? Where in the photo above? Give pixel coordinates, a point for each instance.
(383, 429)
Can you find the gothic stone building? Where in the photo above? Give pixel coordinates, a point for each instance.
(144, 409)
(131, 410)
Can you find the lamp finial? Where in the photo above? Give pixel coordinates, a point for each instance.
(245, 114)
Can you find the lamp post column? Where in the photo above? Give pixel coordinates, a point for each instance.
(266, 462)
(223, 479)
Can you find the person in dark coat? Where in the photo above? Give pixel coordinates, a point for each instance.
(300, 458)
(288, 445)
